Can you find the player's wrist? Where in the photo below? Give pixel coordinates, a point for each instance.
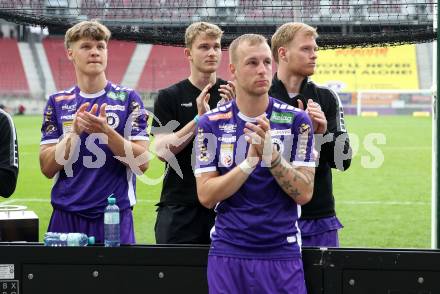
(276, 161)
(247, 167)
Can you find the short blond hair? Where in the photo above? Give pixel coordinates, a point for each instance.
(286, 33)
(251, 39)
(198, 28)
(88, 29)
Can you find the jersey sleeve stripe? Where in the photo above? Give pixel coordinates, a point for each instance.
(202, 170)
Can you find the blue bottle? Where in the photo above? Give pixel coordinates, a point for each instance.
(67, 239)
(112, 237)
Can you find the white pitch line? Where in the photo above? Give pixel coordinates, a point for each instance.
(384, 202)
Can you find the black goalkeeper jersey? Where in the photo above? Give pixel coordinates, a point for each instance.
(336, 138)
(178, 103)
(8, 155)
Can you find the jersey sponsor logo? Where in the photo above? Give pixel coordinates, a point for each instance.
(48, 114)
(67, 126)
(226, 154)
(281, 117)
(112, 120)
(228, 128)
(69, 107)
(68, 117)
(50, 128)
(189, 104)
(204, 155)
(115, 107)
(304, 129)
(279, 146)
(220, 116)
(117, 95)
(64, 97)
(227, 139)
(135, 108)
(284, 132)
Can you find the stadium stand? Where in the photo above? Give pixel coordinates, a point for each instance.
(120, 53)
(168, 65)
(62, 69)
(13, 79)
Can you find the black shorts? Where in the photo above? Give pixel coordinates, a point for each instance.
(179, 224)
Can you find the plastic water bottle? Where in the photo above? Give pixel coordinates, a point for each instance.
(112, 236)
(67, 239)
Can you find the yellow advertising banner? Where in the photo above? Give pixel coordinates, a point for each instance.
(375, 68)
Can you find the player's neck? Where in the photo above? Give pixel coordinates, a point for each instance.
(200, 79)
(251, 106)
(91, 84)
(291, 81)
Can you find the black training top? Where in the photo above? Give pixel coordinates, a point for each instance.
(178, 102)
(322, 203)
(8, 155)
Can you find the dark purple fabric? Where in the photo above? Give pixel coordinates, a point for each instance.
(326, 239)
(65, 222)
(255, 276)
(321, 232)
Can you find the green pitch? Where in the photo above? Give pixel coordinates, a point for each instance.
(381, 204)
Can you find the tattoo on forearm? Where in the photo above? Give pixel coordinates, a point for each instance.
(286, 175)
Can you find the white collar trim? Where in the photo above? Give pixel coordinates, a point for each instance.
(94, 95)
(249, 119)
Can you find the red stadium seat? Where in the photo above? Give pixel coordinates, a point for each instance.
(120, 53)
(167, 65)
(13, 79)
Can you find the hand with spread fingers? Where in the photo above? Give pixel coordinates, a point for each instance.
(78, 122)
(317, 116)
(203, 99)
(227, 92)
(95, 120)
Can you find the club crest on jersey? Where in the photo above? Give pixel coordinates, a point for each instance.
(112, 120)
(117, 95)
(279, 146)
(281, 117)
(226, 154)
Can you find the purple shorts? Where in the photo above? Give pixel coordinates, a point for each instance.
(255, 276)
(66, 222)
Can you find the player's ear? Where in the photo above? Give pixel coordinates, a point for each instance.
(69, 54)
(232, 69)
(187, 53)
(282, 54)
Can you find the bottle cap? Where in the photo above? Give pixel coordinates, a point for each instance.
(91, 240)
(111, 200)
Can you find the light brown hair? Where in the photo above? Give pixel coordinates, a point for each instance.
(286, 33)
(198, 28)
(251, 39)
(88, 29)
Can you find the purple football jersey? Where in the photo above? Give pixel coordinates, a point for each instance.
(260, 219)
(95, 173)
